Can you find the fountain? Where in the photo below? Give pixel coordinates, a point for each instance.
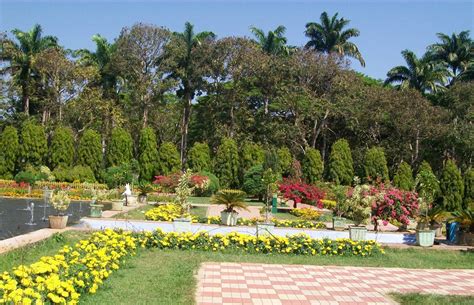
(32, 215)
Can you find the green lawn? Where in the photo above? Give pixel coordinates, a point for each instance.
(431, 299)
(207, 200)
(284, 215)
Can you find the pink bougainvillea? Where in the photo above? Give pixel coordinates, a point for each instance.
(170, 182)
(394, 204)
(301, 192)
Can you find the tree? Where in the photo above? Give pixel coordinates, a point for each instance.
(9, 152)
(285, 160)
(188, 49)
(168, 161)
(33, 146)
(119, 148)
(403, 178)
(419, 73)
(329, 37)
(427, 185)
(61, 148)
(452, 187)
(375, 165)
(313, 166)
(468, 189)
(147, 154)
(274, 42)
(227, 163)
(253, 182)
(89, 151)
(341, 167)
(251, 154)
(199, 157)
(21, 56)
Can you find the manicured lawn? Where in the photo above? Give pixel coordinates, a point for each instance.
(207, 200)
(431, 299)
(284, 215)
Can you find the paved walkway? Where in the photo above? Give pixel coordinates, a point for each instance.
(253, 211)
(261, 284)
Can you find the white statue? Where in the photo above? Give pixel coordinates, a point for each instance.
(127, 192)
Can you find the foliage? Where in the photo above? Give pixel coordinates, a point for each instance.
(403, 178)
(231, 199)
(199, 157)
(61, 148)
(306, 213)
(227, 163)
(213, 187)
(341, 168)
(27, 177)
(466, 219)
(183, 191)
(148, 153)
(452, 186)
(427, 185)
(296, 172)
(9, 152)
(283, 223)
(89, 151)
(199, 182)
(313, 166)
(116, 176)
(33, 147)
(60, 201)
(359, 203)
(77, 173)
(375, 165)
(251, 155)
(469, 189)
(168, 157)
(144, 188)
(394, 204)
(166, 212)
(272, 160)
(285, 160)
(253, 182)
(300, 192)
(119, 148)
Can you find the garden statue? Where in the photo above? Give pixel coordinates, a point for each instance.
(127, 193)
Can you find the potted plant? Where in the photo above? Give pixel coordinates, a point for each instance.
(60, 202)
(339, 222)
(143, 190)
(183, 191)
(97, 203)
(465, 218)
(425, 235)
(231, 199)
(360, 210)
(269, 180)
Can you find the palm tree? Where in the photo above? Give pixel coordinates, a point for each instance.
(21, 55)
(190, 75)
(457, 51)
(231, 199)
(330, 37)
(419, 73)
(274, 42)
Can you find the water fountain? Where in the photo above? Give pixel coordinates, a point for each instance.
(32, 215)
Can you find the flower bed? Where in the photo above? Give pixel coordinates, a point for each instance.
(306, 213)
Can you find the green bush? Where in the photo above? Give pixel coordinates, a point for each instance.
(251, 154)
(78, 173)
(119, 148)
(213, 188)
(452, 187)
(272, 161)
(375, 165)
(253, 182)
(313, 166)
(62, 147)
(199, 157)
(148, 154)
(27, 177)
(227, 163)
(427, 185)
(285, 160)
(10, 146)
(33, 146)
(403, 178)
(169, 160)
(469, 189)
(89, 152)
(341, 165)
(117, 176)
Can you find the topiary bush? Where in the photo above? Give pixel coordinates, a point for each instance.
(227, 163)
(33, 147)
(199, 157)
(403, 178)
(469, 189)
(62, 147)
(168, 159)
(253, 182)
(147, 154)
(10, 146)
(80, 173)
(285, 160)
(313, 166)
(119, 148)
(251, 154)
(89, 152)
(452, 187)
(375, 165)
(341, 165)
(116, 176)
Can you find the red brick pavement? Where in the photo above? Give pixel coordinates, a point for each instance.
(260, 284)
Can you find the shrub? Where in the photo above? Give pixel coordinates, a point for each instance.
(253, 182)
(82, 173)
(359, 202)
(231, 199)
(251, 154)
(168, 159)
(62, 147)
(166, 212)
(469, 189)
(313, 166)
(403, 178)
(306, 213)
(89, 152)
(300, 192)
(394, 204)
(271, 161)
(116, 176)
(199, 157)
(427, 185)
(9, 151)
(227, 163)
(33, 146)
(375, 165)
(452, 187)
(341, 166)
(119, 148)
(199, 182)
(285, 160)
(147, 154)
(26, 177)
(213, 187)
(296, 172)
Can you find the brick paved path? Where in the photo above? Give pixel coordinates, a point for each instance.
(260, 284)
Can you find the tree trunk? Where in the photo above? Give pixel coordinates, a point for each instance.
(26, 104)
(145, 116)
(265, 105)
(231, 132)
(184, 129)
(319, 129)
(44, 116)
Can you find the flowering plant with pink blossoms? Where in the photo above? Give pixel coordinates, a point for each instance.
(394, 204)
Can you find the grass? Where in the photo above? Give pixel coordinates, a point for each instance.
(284, 216)
(431, 299)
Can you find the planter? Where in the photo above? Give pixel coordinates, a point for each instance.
(452, 229)
(338, 223)
(131, 200)
(265, 228)
(466, 238)
(58, 222)
(96, 210)
(229, 218)
(425, 238)
(182, 225)
(117, 205)
(438, 228)
(357, 233)
(143, 199)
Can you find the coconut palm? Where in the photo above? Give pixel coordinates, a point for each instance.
(420, 73)
(457, 51)
(272, 43)
(21, 55)
(330, 37)
(232, 199)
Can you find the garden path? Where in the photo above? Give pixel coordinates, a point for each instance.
(253, 211)
(263, 284)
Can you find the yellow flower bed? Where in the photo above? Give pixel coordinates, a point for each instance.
(328, 204)
(167, 212)
(62, 278)
(306, 213)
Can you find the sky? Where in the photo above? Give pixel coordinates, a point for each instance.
(386, 27)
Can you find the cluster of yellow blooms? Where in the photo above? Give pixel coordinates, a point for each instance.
(306, 213)
(167, 212)
(62, 278)
(328, 204)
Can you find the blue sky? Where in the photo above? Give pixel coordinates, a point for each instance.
(386, 27)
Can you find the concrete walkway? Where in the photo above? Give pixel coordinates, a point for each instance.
(262, 284)
(252, 212)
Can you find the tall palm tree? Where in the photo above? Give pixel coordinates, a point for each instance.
(329, 36)
(272, 43)
(21, 55)
(419, 73)
(456, 50)
(189, 72)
